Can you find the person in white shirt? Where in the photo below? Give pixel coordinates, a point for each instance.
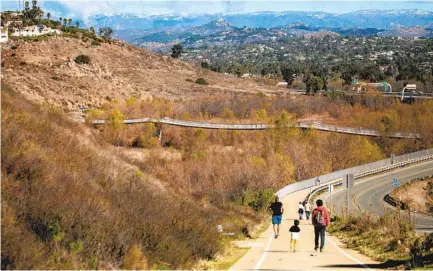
(300, 210)
(307, 208)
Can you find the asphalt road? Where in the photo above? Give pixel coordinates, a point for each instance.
(368, 194)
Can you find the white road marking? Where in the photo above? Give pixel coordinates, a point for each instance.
(348, 256)
(262, 259)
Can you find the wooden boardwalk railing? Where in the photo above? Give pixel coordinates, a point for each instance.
(261, 126)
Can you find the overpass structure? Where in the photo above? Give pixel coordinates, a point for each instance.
(262, 126)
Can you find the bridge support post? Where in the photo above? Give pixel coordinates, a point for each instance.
(158, 127)
(160, 134)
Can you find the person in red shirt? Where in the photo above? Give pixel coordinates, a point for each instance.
(320, 219)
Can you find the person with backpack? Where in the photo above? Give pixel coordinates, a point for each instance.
(320, 219)
(277, 215)
(294, 235)
(300, 210)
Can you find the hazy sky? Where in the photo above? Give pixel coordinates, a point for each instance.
(83, 9)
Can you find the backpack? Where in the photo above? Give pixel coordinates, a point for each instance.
(319, 220)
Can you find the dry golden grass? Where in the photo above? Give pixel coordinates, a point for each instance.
(75, 208)
(390, 239)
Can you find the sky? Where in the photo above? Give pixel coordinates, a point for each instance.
(82, 9)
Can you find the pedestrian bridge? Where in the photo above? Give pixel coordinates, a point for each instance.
(263, 126)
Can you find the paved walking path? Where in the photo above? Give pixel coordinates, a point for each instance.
(269, 253)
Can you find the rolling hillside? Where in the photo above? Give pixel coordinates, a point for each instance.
(45, 71)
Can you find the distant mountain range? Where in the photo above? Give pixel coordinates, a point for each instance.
(166, 28)
(222, 33)
(380, 19)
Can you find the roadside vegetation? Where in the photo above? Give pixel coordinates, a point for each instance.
(390, 239)
(417, 195)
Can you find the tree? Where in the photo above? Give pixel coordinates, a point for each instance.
(69, 22)
(77, 23)
(288, 72)
(106, 32)
(60, 20)
(347, 76)
(65, 21)
(27, 6)
(176, 50)
(313, 84)
(92, 30)
(48, 15)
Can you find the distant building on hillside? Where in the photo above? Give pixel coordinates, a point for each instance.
(35, 30)
(13, 23)
(385, 68)
(4, 35)
(281, 84)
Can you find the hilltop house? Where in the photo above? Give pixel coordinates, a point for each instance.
(4, 35)
(35, 30)
(385, 68)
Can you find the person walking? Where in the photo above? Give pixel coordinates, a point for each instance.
(294, 235)
(277, 215)
(300, 210)
(307, 208)
(320, 219)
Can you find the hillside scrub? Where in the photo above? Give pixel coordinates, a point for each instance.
(416, 195)
(75, 205)
(390, 239)
(201, 81)
(117, 71)
(82, 59)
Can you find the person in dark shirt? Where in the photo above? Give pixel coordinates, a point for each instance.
(294, 232)
(277, 215)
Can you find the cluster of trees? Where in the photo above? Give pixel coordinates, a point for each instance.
(176, 50)
(32, 15)
(343, 60)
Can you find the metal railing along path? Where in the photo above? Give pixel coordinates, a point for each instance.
(261, 126)
(358, 172)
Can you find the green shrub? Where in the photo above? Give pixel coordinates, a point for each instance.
(82, 59)
(95, 43)
(262, 199)
(14, 47)
(201, 81)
